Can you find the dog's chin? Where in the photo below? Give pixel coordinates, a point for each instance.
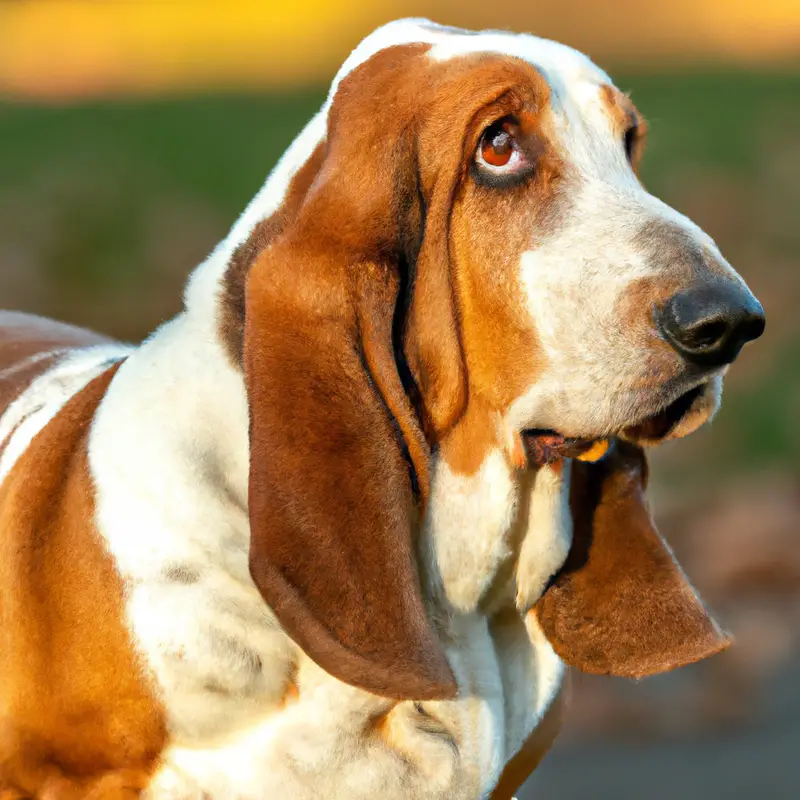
(682, 416)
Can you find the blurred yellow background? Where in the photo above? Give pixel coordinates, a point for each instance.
(133, 132)
(53, 48)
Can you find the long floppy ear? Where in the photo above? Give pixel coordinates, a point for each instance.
(621, 605)
(336, 443)
(331, 503)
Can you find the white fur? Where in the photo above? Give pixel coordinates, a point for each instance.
(536, 680)
(466, 534)
(477, 523)
(317, 745)
(548, 536)
(597, 372)
(169, 450)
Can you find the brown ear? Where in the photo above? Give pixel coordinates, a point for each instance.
(331, 502)
(621, 604)
(355, 282)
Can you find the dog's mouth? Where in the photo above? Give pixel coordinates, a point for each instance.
(682, 416)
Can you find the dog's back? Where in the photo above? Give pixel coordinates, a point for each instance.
(29, 346)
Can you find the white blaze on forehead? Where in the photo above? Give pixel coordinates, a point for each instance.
(560, 64)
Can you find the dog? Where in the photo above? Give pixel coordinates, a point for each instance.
(340, 526)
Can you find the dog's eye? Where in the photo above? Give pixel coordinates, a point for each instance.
(499, 149)
(629, 141)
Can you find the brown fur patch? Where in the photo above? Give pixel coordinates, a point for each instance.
(78, 719)
(292, 693)
(466, 446)
(383, 726)
(331, 548)
(491, 229)
(234, 282)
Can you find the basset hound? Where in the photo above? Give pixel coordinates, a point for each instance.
(337, 529)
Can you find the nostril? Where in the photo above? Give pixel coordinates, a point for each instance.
(706, 334)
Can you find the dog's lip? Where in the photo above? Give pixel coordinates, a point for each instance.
(658, 426)
(545, 446)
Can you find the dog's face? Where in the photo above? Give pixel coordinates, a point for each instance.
(587, 306)
(463, 254)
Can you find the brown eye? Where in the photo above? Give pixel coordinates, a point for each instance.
(498, 146)
(630, 141)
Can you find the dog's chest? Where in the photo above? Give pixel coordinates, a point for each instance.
(252, 718)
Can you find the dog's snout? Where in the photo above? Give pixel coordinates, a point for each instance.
(709, 324)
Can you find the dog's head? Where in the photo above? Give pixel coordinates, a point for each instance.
(459, 253)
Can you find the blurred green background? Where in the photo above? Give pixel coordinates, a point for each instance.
(108, 201)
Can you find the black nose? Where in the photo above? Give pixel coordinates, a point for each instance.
(710, 324)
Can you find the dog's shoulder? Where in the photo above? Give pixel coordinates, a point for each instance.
(70, 672)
